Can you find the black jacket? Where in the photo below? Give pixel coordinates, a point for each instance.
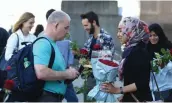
(137, 70)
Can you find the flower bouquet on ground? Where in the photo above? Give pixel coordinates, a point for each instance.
(161, 60)
(104, 71)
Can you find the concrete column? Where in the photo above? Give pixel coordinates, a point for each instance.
(106, 10)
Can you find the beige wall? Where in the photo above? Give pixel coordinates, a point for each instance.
(158, 12)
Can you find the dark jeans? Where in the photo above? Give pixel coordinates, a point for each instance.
(70, 94)
(50, 97)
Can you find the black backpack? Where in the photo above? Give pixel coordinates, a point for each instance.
(20, 69)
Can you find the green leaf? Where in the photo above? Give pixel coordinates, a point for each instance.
(79, 90)
(74, 46)
(155, 68)
(163, 50)
(157, 55)
(86, 72)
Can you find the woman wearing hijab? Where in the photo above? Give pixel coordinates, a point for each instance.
(158, 40)
(135, 66)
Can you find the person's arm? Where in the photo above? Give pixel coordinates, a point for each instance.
(108, 87)
(140, 75)
(129, 88)
(42, 53)
(11, 45)
(111, 43)
(45, 73)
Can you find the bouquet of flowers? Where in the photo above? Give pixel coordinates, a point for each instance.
(161, 60)
(85, 62)
(84, 57)
(104, 71)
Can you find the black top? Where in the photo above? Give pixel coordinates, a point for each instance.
(137, 70)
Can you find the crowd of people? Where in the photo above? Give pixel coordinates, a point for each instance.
(140, 40)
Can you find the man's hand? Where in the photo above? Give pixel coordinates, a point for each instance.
(75, 52)
(120, 98)
(71, 73)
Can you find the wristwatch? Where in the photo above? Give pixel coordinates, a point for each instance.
(121, 90)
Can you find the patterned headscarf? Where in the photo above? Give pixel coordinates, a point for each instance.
(135, 29)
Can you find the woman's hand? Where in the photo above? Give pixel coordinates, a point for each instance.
(109, 88)
(120, 98)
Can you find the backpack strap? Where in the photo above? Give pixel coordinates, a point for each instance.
(52, 58)
(17, 41)
(154, 78)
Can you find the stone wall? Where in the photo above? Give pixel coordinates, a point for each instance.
(106, 10)
(158, 12)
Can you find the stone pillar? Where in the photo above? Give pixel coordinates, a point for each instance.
(106, 10)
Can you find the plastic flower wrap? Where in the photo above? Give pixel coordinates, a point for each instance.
(104, 70)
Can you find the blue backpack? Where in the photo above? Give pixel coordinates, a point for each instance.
(20, 69)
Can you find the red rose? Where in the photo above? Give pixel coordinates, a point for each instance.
(171, 51)
(108, 62)
(96, 47)
(9, 84)
(83, 51)
(8, 67)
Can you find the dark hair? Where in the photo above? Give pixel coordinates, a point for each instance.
(162, 43)
(159, 32)
(39, 29)
(49, 12)
(91, 16)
